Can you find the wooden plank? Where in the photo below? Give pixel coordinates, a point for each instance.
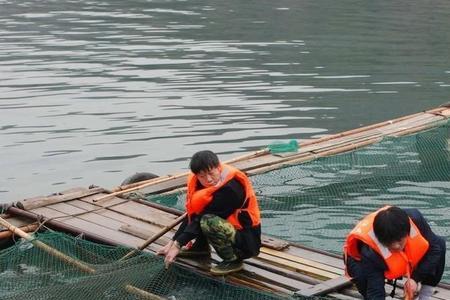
(92, 217)
(144, 213)
(98, 218)
(118, 237)
(325, 287)
(105, 203)
(301, 260)
(316, 255)
(441, 293)
(143, 234)
(298, 267)
(446, 113)
(273, 243)
(16, 221)
(126, 220)
(31, 203)
(134, 209)
(50, 213)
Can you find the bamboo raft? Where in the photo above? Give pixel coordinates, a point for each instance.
(109, 217)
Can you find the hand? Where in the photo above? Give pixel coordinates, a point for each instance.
(410, 289)
(165, 249)
(171, 254)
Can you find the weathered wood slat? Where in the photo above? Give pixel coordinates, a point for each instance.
(274, 243)
(116, 236)
(301, 260)
(143, 234)
(144, 213)
(31, 203)
(124, 219)
(325, 287)
(18, 222)
(92, 217)
(298, 267)
(134, 209)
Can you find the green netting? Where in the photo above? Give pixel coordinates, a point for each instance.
(26, 272)
(318, 202)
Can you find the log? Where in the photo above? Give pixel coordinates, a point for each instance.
(28, 228)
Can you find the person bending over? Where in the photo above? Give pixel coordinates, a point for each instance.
(392, 243)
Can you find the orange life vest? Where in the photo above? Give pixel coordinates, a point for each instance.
(399, 263)
(198, 199)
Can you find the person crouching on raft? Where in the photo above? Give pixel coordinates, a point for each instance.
(222, 211)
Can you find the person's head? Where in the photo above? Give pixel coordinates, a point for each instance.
(391, 227)
(206, 166)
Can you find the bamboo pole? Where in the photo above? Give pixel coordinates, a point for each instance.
(155, 236)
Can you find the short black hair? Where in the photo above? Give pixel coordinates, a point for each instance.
(391, 225)
(203, 161)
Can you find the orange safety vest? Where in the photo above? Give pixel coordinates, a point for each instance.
(198, 199)
(399, 263)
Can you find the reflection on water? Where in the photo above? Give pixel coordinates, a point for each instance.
(93, 91)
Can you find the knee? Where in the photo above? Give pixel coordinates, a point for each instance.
(207, 222)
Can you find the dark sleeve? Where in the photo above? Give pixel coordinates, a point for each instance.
(429, 264)
(225, 201)
(374, 267)
(188, 231)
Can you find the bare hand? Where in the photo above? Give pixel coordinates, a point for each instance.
(165, 249)
(171, 255)
(410, 289)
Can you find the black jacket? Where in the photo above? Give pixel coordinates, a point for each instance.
(368, 273)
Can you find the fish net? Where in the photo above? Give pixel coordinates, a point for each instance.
(317, 203)
(27, 272)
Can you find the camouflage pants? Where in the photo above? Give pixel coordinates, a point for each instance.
(220, 234)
